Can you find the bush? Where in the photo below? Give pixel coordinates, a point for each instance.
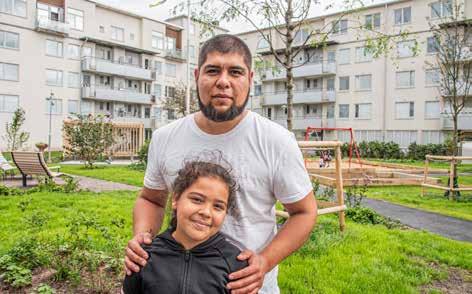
(368, 216)
(143, 152)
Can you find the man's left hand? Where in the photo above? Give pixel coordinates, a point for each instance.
(250, 278)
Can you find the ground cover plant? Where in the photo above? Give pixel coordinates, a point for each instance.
(70, 235)
(116, 173)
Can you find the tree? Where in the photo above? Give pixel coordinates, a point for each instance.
(14, 137)
(176, 101)
(288, 22)
(452, 41)
(88, 137)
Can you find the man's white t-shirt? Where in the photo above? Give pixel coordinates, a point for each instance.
(265, 160)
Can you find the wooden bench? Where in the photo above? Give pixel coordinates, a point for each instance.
(32, 163)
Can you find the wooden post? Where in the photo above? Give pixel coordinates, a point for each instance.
(451, 178)
(426, 165)
(339, 187)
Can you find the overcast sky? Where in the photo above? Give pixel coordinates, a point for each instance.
(163, 11)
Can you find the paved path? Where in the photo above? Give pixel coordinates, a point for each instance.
(91, 184)
(446, 226)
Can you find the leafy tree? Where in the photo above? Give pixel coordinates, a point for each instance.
(177, 101)
(452, 34)
(88, 137)
(14, 137)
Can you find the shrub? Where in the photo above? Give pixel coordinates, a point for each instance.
(368, 216)
(14, 137)
(143, 152)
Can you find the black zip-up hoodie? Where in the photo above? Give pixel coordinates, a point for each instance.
(170, 268)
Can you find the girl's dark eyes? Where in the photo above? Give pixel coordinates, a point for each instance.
(196, 199)
(220, 207)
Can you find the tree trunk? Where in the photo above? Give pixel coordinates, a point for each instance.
(288, 65)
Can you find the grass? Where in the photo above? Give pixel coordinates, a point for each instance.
(364, 259)
(462, 168)
(433, 201)
(114, 173)
(56, 156)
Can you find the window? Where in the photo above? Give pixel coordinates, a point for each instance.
(86, 107)
(433, 45)
(147, 112)
(9, 71)
(312, 84)
(191, 48)
(9, 103)
(343, 110)
(158, 67)
(101, 29)
(363, 110)
(343, 83)
(431, 110)
(301, 36)
(404, 110)
(364, 82)
(54, 77)
(344, 56)
(76, 19)
(73, 51)
(157, 40)
(442, 8)
(171, 43)
(9, 40)
(406, 48)
(53, 48)
(192, 29)
(372, 21)
(170, 92)
(330, 84)
(54, 106)
(257, 90)
(402, 15)
(340, 27)
(74, 80)
(330, 111)
(331, 56)
(157, 90)
(171, 70)
(72, 106)
(117, 34)
(363, 54)
(432, 77)
(433, 137)
(131, 36)
(262, 44)
(14, 7)
(405, 79)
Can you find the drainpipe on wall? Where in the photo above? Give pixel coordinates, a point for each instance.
(384, 117)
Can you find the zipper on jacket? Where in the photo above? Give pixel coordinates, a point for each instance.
(186, 268)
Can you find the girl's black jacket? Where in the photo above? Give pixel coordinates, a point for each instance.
(172, 269)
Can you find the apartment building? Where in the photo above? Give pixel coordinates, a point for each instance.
(90, 58)
(394, 97)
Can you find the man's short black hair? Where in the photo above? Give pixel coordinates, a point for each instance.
(225, 44)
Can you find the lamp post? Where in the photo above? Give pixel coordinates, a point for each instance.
(187, 88)
(51, 104)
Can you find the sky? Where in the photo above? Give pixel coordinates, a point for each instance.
(163, 11)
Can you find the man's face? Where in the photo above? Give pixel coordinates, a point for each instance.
(223, 83)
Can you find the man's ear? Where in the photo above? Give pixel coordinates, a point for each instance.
(196, 73)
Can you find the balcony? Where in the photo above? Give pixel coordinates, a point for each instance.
(299, 123)
(300, 97)
(306, 70)
(52, 26)
(110, 94)
(175, 54)
(464, 121)
(103, 66)
(461, 86)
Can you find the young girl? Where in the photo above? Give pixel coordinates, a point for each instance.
(192, 256)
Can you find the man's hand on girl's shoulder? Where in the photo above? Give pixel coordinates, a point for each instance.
(250, 278)
(135, 255)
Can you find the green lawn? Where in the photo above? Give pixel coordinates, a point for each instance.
(463, 168)
(114, 173)
(364, 259)
(433, 201)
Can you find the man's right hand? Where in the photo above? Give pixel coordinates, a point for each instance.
(135, 255)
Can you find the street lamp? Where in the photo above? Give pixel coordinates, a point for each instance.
(51, 104)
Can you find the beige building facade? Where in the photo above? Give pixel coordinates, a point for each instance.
(91, 58)
(394, 97)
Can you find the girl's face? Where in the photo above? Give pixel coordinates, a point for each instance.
(201, 210)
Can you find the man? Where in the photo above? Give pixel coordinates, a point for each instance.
(265, 158)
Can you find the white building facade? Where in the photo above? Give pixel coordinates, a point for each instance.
(92, 58)
(394, 97)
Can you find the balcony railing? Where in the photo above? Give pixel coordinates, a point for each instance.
(175, 54)
(52, 26)
(111, 94)
(300, 97)
(308, 69)
(464, 121)
(117, 68)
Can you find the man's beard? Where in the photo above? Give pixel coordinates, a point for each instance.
(210, 112)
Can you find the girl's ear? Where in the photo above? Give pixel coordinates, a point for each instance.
(174, 203)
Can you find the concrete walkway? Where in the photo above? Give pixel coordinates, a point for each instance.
(446, 226)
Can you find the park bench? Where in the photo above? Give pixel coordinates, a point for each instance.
(32, 163)
(6, 167)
